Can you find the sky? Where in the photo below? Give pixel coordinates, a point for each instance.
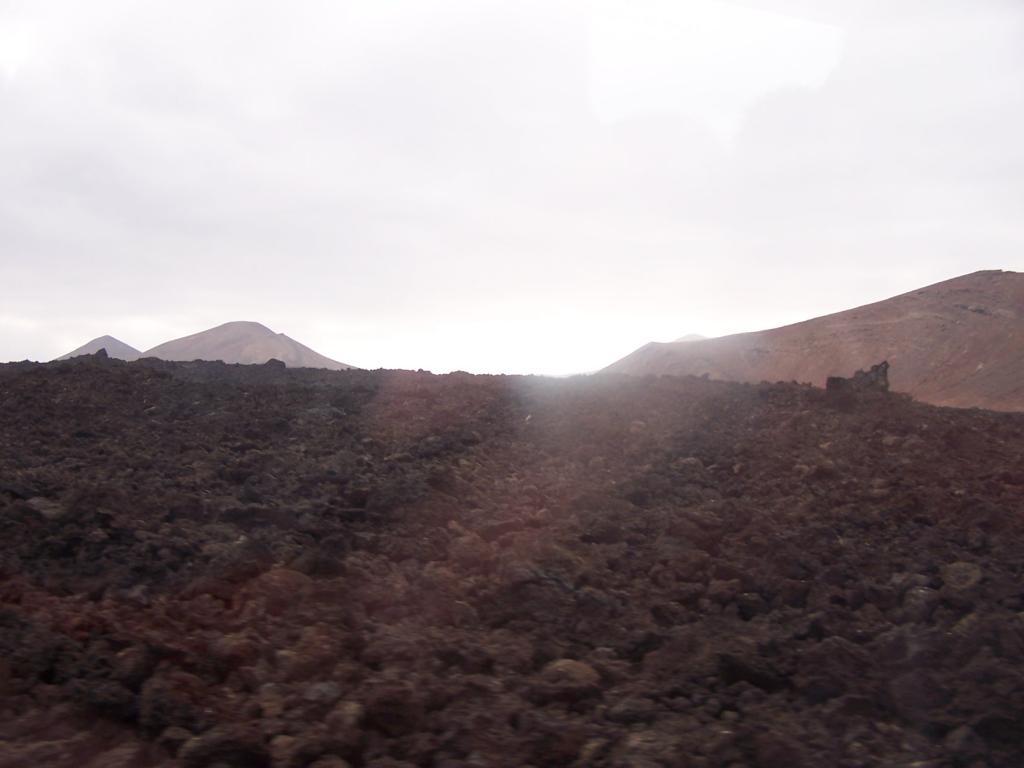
(538, 186)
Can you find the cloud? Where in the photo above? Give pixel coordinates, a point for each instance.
(705, 59)
(370, 178)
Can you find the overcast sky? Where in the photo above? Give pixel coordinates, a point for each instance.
(529, 186)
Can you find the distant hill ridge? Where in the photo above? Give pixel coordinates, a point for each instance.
(959, 342)
(243, 342)
(115, 348)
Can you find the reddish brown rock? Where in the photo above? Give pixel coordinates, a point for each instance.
(399, 568)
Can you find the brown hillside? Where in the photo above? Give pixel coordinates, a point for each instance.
(115, 348)
(243, 342)
(958, 343)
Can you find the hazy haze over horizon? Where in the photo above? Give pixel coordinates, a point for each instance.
(534, 187)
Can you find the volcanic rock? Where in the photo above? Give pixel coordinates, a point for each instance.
(51, 510)
(540, 607)
(239, 746)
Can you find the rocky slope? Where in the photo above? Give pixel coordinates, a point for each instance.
(959, 342)
(115, 348)
(243, 342)
(212, 565)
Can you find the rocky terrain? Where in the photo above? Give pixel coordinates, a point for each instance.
(959, 342)
(214, 565)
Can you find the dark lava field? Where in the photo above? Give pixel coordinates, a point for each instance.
(209, 566)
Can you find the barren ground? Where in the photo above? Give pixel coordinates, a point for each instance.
(210, 565)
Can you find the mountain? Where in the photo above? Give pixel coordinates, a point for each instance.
(243, 342)
(958, 342)
(114, 347)
(690, 337)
